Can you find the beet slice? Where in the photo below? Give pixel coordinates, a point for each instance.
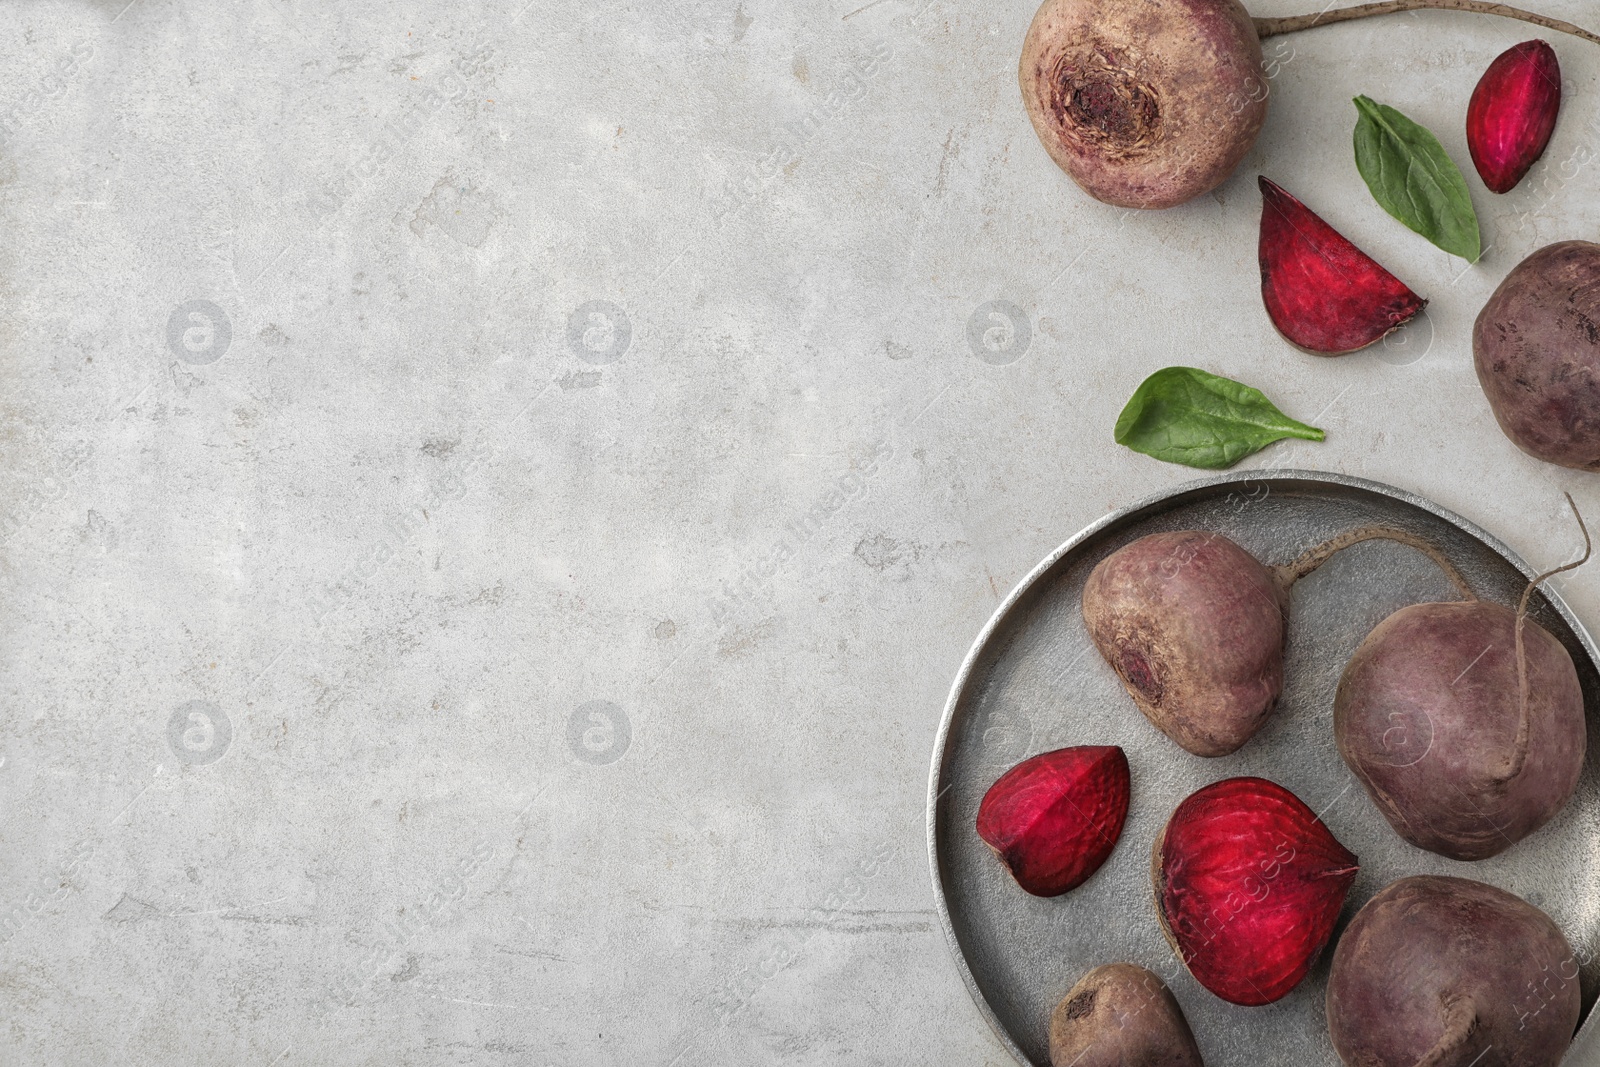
(1513, 112)
(1323, 293)
(1248, 884)
(1054, 818)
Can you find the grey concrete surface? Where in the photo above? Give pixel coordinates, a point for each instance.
(495, 494)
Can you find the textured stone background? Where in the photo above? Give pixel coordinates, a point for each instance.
(494, 495)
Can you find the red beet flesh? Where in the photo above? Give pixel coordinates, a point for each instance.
(1249, 883)
(1323, 293)
(1513, 112)
(1054, 818)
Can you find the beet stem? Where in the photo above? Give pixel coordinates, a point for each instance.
(1519, 754)
(1312, 558)
(1295, 23)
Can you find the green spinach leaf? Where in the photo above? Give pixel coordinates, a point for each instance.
(1184, 415)
(1415, 180)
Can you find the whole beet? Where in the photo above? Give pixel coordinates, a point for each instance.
(1121, 1015)
(1438, 971)
(1429, 715)
(1194, 627)
(1144, 103)
(1536, 346)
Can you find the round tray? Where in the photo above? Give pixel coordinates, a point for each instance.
(1033, 682)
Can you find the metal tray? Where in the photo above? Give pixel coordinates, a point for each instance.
(1033, 682)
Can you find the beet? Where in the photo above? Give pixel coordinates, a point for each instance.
(1536, 346)
(1248, 884)
(1513, 112)
(1464, 721)
(1428, 716)
(1448, 972)
(1143, 103)
(1054, 818)
(1121, 1015)
(1194, 627)
(1324, 294)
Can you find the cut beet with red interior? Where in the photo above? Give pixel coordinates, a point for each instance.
(1513, 112)
(1054, 818)
(1248, 884)
(1323, 293)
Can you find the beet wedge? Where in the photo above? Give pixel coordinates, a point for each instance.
(1324, 294)
(1513, 112)
(1054, 818)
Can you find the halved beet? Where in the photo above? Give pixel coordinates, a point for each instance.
(1248, 884)
(1054, 818)
(1323, 293)
(1513, 112)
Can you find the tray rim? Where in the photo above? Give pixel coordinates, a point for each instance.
(1585, 1047)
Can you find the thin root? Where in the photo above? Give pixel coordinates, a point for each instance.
(1312, 558)
(1272, 27)
(1519, 754)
